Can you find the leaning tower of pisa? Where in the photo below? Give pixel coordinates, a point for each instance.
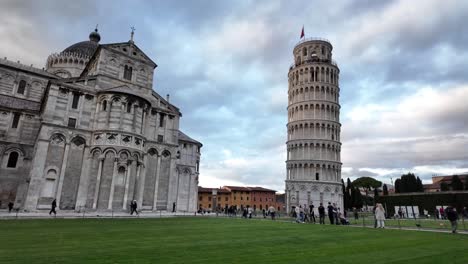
(313, 166)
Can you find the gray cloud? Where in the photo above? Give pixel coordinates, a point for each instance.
(225, 65)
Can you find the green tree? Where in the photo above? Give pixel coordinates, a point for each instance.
(457, 184)
(408, 183)
(368, 183)
(385, 189)
(397, 186)
(358, 200)
(349, 187)
(419, 185)
(444, 187)
(346, 196)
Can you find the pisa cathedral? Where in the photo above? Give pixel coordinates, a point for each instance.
(313, 163)
(89, 131)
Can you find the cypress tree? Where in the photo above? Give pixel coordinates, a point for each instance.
(457, 184)
(420, 186)
(397, 186)
(385, 189)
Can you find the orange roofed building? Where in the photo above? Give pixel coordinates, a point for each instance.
(258, 198)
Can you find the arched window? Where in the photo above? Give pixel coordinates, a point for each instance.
(128, 73)
(304, 51)
(104, 105)
(21, 87)
(12, 160)
(129, 107)
(317, 176)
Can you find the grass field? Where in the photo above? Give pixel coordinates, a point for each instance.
(218, 240)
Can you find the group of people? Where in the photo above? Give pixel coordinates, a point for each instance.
(305, 213)
(248, 211)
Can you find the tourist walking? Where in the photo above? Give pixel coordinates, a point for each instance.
(249, 209)
(380, 216)
(400, 213)
(331, 217)
(306, 213)
(272, 212)
(173, 207)
(356, 213)
(10, 207)
(321, 211)
(54, 205)
(452, 216)
(298, 214)
(312, 213)
(335, 214)
(442, 213)
(133, 207)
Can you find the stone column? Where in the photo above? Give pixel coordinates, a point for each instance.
(98, 182)
(156, 184)
(109, 109)
(36, 175)
(141, 186)
(127, 183)
(143, 119)
(171, 197)
(122, 111)
(111, 195)
(84, 178)
(58, 192)
(190, 199)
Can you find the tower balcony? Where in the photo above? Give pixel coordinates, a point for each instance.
(313, 60)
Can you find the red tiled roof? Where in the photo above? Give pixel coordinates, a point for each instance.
(261, 189)
(237, 188)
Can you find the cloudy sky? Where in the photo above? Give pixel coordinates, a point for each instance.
(404, 75)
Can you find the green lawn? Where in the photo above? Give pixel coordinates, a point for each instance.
(218, 240)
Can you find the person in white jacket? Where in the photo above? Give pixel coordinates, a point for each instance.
(380, 215)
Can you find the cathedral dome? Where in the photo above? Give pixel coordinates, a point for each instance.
(85, 48)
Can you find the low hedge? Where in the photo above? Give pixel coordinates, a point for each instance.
(425, 201)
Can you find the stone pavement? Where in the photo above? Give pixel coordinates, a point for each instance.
(91, 214)
(4, 215)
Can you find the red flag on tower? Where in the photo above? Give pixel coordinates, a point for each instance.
(302, 32)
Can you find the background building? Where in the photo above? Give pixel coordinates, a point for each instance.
(437, 181)
(313, 147)
(90, 132)
(258, 198)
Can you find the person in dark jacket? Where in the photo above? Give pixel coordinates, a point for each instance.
(331, 215)
(54, 205)
(321, 211)
(452, 216)
(10, 207)
(133, 207)
(312, 213)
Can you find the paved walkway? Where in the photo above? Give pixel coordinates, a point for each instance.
(4, 215)
(91, 214)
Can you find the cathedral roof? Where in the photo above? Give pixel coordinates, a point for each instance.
(184, 137)
(86, 48)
